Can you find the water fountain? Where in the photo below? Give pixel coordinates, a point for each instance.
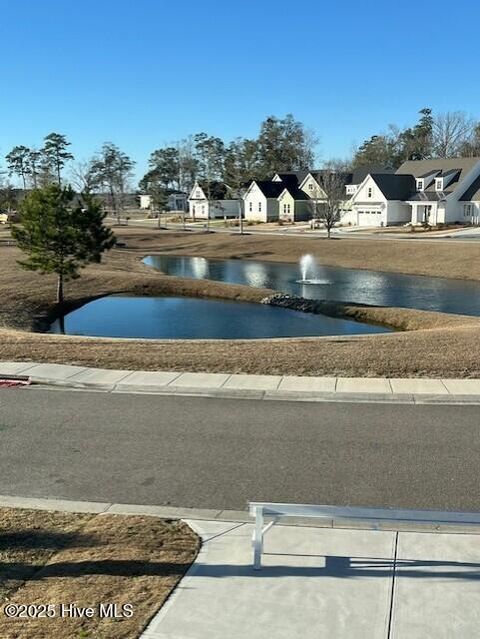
(309, 271)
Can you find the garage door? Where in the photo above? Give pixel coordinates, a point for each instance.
(369, 217)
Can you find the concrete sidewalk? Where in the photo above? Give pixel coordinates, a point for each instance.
(413, 390)
(320, 580)
(323, 582)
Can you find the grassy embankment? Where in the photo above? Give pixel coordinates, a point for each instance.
(434, 344)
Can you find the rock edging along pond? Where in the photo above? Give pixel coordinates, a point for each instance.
(359, 313)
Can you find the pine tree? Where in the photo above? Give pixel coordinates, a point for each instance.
(60, 236)
(55, 153)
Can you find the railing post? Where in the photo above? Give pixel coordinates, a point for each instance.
(258, 539)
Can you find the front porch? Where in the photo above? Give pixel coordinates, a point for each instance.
(429, 213)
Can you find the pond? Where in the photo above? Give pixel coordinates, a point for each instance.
(193, 318)
(333, 283)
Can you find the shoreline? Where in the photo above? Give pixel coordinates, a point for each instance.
(426, 344)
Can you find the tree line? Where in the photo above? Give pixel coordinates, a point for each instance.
(446, 135)
(282, 145)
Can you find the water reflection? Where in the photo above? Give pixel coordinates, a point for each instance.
(348, 285)
(186, 318)
(256, 274)
(200, 268)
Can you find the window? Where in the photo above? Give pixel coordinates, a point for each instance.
(310, 187)
(203, 208)
(467, 210)
(370, 192)
(250, 206)
(284, 208)
(439, 184)
(259, 207)
(419, 185)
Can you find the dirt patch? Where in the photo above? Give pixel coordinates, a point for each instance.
(62, 558)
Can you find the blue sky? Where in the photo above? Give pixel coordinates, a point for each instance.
(142, 73)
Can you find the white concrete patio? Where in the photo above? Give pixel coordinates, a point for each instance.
(325, 582)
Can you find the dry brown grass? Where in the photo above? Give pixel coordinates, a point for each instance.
(52, 557)
(436, 345)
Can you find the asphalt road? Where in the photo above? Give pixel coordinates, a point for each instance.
(221, 453)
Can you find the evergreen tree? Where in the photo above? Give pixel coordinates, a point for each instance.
(17, 162)
(60, 236)
(55, 153)
(165, 163)
(284, 145)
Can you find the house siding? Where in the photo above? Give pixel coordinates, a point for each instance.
(369, 206)
(286, 207)
(253, 200)
(311, 187)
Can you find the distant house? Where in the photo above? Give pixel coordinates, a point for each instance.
(145, 201)
(212, 200)
(276, 199)
(441, 191)
(177, 201)
(445, 191)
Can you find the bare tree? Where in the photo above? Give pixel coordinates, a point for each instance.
(451, 131)
(329, 210)
(82, 177)
(112, 170)
(471, 148)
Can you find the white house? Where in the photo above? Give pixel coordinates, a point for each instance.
(218, 206)
(446, 191)
(145, 201)
(441, 191)
(380, 201)
(276, 199)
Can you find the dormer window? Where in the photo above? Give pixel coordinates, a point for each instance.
(439, 184)
(420, 185)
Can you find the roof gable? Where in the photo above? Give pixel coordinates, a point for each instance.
(268, 188)
(394, 187)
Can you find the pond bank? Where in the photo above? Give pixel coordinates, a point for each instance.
(436, 344)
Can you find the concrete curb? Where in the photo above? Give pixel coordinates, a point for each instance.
(203, 514)
(240, 386)
(100, 507)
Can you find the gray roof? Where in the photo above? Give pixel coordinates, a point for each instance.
(472, 194)
(419, 168)
(270, 189)
(427, 196)
(394, 187)
(275, 189)
(454, 168)
(360, 173)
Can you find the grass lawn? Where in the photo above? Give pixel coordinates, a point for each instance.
(430, 344)
(54, 558)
